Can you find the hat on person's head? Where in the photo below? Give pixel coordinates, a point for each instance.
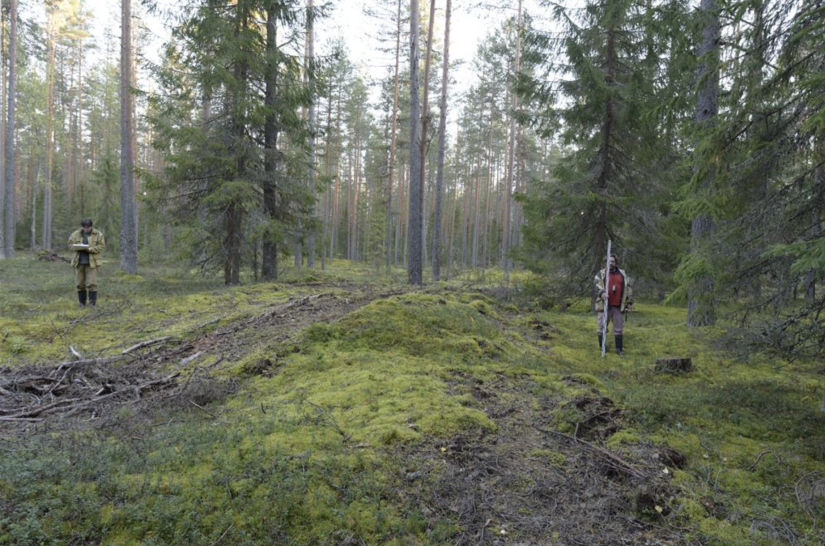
(86, 222)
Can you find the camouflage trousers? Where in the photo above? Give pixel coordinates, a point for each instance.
(86, 278)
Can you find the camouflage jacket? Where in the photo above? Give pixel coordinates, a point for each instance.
(97, 242)
(627, 292)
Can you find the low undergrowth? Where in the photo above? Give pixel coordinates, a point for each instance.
(442, 416)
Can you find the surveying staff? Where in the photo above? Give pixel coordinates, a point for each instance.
(87, 259)
(619, 300)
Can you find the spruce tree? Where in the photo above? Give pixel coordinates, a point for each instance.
(595, 89)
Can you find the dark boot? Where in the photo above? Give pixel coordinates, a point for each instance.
(619, 346)
(92, 298)
(600, 342)
(81, 297)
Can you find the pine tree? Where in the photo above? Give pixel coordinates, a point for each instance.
(128, 202)
(415, 263)
(10, 178)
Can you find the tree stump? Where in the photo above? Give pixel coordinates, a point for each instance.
(674, 365)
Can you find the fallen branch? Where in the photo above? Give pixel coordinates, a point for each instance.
(88, 361)
(190, 358)
(620, 464)
(21, 419)
(143, 344)
(37, 411)
(202, 409)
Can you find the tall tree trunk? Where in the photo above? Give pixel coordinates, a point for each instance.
(2, 135)
(425, 126)
(78, 148)
(356, 189)
(442, 145)
(233, 239)
(414, 265)
(701, 307)
(135, 155)
(311, 82)
(488, 189)
(327, 192)
(35, 189)
(465, 221)
(477, 210)
(400, 217)
(269, 258)
(391, 167)
(128, 224)
(334, 212)
(508, 191)
(818, 205)
(10, 178)
(47, 184)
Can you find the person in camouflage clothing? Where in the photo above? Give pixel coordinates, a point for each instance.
(87, 244)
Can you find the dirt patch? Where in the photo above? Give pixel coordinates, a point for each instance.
(529, 484)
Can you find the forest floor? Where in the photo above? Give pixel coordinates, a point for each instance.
(345, 408)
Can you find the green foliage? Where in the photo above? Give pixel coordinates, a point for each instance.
(615, 170)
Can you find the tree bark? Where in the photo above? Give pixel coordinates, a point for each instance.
(233, 238)
(442, 145)
(425, 126)
(10, 178)
(310, 61)
(35, 190)
(269, 253)
(701, 308)
(477, 210)
(47, 184)
(414, 265)
(128, 223)
(505, 241)
(391, 166)
(327, 192)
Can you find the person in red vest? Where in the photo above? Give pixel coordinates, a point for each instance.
(616, 288)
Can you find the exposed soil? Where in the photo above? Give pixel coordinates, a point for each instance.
(528, 484)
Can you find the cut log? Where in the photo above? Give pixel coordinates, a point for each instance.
(674, 365)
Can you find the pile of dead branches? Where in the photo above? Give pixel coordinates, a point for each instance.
(78, 387)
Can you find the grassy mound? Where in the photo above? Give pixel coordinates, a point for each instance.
(434, 417)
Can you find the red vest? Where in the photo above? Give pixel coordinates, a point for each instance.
(615, 288)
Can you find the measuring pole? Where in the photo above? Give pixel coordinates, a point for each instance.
(605, 282)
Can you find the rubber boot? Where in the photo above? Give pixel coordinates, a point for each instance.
(92, 298)
(81, 297)
(619, 346)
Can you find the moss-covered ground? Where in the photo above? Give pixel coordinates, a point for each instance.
(370, 426)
